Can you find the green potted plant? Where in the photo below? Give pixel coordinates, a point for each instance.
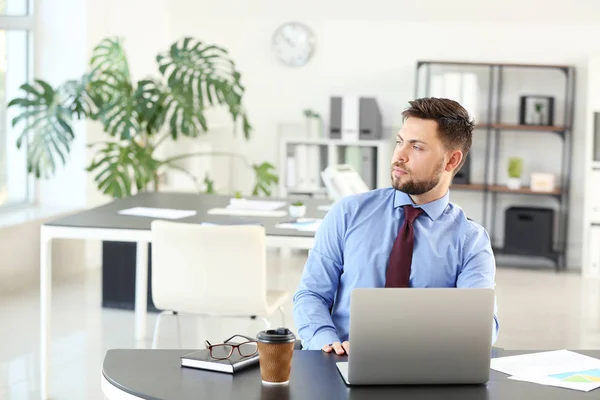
(297, 209)
(515, 169)
(137, 116)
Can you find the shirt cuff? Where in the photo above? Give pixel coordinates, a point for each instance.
(322, 338)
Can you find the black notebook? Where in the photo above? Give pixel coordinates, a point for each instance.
(201, 359)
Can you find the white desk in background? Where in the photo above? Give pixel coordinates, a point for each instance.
(107, 224)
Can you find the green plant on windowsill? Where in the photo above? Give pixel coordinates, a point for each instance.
(136, 116)
(297, 204)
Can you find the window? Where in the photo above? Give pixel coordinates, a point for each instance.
(15, 67)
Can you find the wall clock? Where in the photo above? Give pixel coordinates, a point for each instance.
(294, 43)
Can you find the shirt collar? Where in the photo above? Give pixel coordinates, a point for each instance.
(433, 209)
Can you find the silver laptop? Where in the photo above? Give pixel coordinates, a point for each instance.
(419, 336)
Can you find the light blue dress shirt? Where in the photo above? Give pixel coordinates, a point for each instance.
(352, 248)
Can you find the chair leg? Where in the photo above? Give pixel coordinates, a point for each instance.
(157, 328)
(176, 314)
(282, 316)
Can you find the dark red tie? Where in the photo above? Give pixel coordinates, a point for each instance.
(398, 271)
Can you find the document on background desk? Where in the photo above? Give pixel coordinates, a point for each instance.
(258, 205)
(561, 368)
(166, 213)
(247, 213)
(251, 208)
(301, 224)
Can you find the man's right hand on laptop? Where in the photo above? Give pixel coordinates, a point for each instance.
(339, 348)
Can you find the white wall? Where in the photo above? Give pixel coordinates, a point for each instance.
(373, 51)
(370, 48)
(56, 32)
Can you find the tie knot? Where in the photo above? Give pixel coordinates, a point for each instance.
(411, 213)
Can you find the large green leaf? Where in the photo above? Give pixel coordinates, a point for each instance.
(265, 177)
(121, 167)
(45, 128)
(109, 58)
(120, 117)
(77, 97)
(150, 98)
(112, 90)
(200, 76)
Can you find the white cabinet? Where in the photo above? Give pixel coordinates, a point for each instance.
(592, 269)
(302, 160)
(591, 206)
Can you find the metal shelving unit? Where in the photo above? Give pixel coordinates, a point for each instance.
(494, 126)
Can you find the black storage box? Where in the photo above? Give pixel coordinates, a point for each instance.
(463, 176)
(118, 275)
(529, 231)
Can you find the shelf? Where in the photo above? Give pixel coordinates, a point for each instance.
(522, 190)
(503, 189)
(482, 64)
(335, 142)
(308, 190)
(552, 256)
(533, 128)
(467, 186)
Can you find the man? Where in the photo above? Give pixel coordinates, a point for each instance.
(407, 235)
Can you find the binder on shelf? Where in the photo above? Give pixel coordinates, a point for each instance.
(459, 86)
(290, 166)
(313, 159)
(353, 118)
(368, 166)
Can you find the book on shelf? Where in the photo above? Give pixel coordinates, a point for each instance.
(201, 359)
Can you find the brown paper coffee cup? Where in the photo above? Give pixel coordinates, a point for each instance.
(275, 350)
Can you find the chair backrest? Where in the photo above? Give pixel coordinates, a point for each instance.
(209, 269)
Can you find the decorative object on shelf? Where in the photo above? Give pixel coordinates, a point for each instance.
(314, 124)
(137, 116)
(515, 169)
(543, 182)
(294, 43)
(297, 209)
(537, 110)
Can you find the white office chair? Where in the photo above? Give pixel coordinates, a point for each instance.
(214, 270)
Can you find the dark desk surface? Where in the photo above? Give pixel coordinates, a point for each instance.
(107, 216)
(157, 374)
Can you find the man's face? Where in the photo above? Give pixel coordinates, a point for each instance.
(419, 157)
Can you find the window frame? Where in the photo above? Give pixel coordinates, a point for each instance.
(23, 23)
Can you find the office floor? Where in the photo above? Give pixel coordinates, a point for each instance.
(538, 310)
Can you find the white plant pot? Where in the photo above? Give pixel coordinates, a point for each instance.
(514, 183)
(297, 211)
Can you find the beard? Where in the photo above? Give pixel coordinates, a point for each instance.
(418, 187)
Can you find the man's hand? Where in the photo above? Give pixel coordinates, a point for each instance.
(339, 348)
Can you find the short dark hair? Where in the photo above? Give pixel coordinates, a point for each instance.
(455, 127)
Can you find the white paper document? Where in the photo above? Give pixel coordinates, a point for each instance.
(561, 368)
(577, 380)
(324, 207)
(166, 213)
(247, 213)
(259, 205)
(301, 224)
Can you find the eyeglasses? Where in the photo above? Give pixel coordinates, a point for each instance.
(223, 351)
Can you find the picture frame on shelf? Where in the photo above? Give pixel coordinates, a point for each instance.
(536, 110)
